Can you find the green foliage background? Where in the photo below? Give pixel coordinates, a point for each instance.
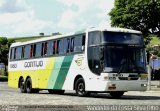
(143, 15)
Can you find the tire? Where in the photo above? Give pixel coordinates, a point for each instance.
(22, 85)
(51, 91)
(29, 85)
(117, 94)
(80, 88)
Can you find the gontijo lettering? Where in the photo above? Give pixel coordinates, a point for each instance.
(33, 64)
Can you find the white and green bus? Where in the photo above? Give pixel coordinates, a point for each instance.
(96, 60)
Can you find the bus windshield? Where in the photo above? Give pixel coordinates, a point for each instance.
(124, 59)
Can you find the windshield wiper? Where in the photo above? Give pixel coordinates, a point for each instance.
(119, 71)
(122, 65)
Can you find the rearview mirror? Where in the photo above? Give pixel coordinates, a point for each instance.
(101, 56)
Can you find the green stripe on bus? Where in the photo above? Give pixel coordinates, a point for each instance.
(63, 72)
(55, 72)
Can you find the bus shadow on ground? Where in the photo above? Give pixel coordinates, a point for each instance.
(107, 96)
(136, 97)
(126, 97)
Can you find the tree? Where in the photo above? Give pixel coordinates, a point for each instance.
(143, 15)
(4, 49)
(10, 41)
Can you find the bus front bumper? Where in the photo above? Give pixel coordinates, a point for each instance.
(126, 86)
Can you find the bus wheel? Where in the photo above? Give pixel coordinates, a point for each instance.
(51, 91)
(29, 85)
(116, 94)
(80, 88)
(22, 86)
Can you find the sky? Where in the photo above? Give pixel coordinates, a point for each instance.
(21, 18)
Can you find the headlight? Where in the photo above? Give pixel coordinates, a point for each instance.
(109, 78)
(105, 77)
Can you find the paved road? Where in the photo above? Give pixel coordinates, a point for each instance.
(9, 96)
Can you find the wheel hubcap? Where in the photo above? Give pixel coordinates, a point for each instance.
(81, 88)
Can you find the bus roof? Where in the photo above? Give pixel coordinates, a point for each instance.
(76, 33)
(114, 29)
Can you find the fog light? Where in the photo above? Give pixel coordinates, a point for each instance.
(111, 86)
(143, 85)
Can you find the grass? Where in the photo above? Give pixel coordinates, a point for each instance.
(3, 78)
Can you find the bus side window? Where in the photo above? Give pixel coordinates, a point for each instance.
(12, 57)
(38, 51)
(94, 52)
(15, 53)
(62, 46)
(27, 51)
(18, 53)
(50, 48)
(79, 42)
(94, 38)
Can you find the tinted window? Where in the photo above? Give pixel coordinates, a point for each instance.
(94, 61)
(78, 43)
(12, 55)
(18, 53)
(38, 50)
(94, 38)
(50, 48)
(27, 49)
(124, 59)
(122, 38)
(63, 46)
